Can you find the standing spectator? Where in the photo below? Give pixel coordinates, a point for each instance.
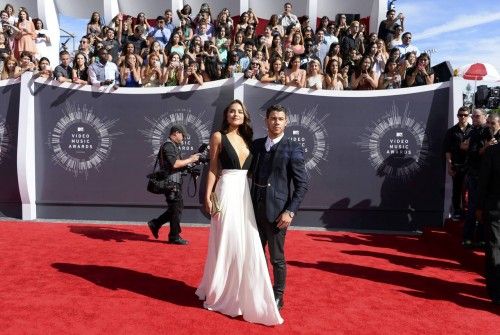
(5, 52)
(473, 145)
(129, 49)
(130, 73)
(103, 72)
(408, 63)
(174, 70)
(322, 47)
(422, 73)
(186, 31)
(390, 78)
(169, 23)
(488, 210)
(84, 48)
(351, 40)
(80, 70)
(494, 125)
(276, 47)
(203, 32)
(275, 25)
(323, 24)
(287, 57)
(406, 46)
(287, 19)
(249, 34)
(63, 72)
(387, 27)
(295, 76)
(309, 53)
(94, 27)
(112, 45)
(343, 26)
(252, 18)
(364, 78)
(151, 74)
(10, 69)
(254, 70)
(44, 70)
(185, 14)
(333, 53)
(42, 40)
(396, 37)
(26, 62)
(331, 34)
(176, 45)
(334, 79)
(156, 49)
(9, 9)
(247, 57)
(221, 42)
(456, 159)
(276, 75)
(192, 75)
(295, 41)
(26, 34)
(142, 22)
(243, 24)
(136, 38)
(160, 33)
(314, 77)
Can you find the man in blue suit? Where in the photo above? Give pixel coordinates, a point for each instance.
(277, 162)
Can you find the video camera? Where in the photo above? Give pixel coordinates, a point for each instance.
(488, 97)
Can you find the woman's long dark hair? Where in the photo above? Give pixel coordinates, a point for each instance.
(245, 129)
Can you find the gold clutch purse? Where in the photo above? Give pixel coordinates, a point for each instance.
(215, 203)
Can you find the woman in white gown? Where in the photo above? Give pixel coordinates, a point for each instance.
(235, 279)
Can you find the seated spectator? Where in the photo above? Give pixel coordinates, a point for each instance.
(287, 19)
(151, 74)
(176, 45)
(254, 70)
(192, 75)
(130, 73)
(390, 78)
(422, 73)
(103, 72)
(406, 46)
(314, 78)
(387, 27)
(63, 72)
(221, 41)
(334, 79)
(295, 76)
(276, 75)
(364, 78)
(94, 27)
(44, 70)
(346, 72)
(174, 70)
(275, 25)
(10, 69)
(42, 40)
(333, 53)
(80, 72)
(25, 34)
(142, 22)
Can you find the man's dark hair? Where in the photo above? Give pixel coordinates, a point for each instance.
(160, 18)
(390, 11)
(464, 109)
(494, 114)
(406, 34)
(276, 108)
(62, 53)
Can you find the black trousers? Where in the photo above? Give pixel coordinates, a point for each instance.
(493, 254)
(457, 198)
(274, 238)
(173, 215)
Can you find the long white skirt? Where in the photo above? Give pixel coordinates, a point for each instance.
(236, 279)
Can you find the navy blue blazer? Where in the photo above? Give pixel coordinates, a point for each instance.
(288, 165)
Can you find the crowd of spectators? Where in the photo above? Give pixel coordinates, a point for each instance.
(205, 46)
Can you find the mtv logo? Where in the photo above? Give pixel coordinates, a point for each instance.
(295, 132)
(80, 129)
(399, 134)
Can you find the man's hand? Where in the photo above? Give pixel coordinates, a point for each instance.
(284, 220)
(194, 158)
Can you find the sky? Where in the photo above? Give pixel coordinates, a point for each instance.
(459, 31)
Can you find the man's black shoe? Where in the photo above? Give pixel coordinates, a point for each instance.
(154, 229)
(279, 302)
(179, 241)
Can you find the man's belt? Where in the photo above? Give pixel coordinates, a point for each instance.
(259, 185)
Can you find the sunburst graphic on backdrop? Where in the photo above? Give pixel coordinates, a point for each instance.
(309, 130)
(197, 128)
(81, 141)
(397, 144)
(4, 140)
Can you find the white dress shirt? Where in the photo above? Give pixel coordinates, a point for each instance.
(270, 142)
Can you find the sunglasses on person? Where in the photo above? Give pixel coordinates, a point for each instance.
(463, 115)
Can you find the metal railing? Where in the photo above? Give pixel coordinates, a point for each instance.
(65, 39)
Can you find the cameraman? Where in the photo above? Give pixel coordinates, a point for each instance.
(172, 164)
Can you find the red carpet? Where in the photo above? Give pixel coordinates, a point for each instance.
(95, 279)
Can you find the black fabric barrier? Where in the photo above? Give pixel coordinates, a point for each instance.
(373, 162)
(95, 149)
(10, 200)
